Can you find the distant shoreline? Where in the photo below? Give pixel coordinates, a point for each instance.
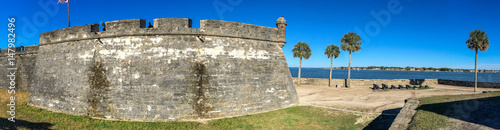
(355, 68)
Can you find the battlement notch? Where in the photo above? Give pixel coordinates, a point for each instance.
(243, 30)
(121, 25)
(71, 33)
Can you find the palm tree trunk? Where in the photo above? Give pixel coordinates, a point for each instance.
(300, 66)
(331, 67)
(475, 73)
(349, 72)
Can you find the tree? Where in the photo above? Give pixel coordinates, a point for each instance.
(301, 50)
(332, 51)
(350, 42)
(478, 40)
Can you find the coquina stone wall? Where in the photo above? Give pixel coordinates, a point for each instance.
(165, 73)
(25, 58)
(366, 82)
(469, 83)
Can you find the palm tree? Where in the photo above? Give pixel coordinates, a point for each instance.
(301, 50)
(478, 40)
(350, 42)
(332, 51)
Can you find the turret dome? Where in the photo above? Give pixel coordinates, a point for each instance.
(281, 20)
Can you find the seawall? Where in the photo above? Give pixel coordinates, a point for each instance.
(366, 82)
(469, 83)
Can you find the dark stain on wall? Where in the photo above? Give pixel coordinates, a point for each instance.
(200, 101)
(99, 87)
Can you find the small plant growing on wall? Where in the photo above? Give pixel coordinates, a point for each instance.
(103, 26)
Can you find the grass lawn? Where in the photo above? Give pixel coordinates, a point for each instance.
(299, 117)
(434, 112)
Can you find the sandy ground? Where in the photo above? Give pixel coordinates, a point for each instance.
(363, 99)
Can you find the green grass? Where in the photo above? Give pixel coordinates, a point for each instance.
(299, 117)
(432, 117)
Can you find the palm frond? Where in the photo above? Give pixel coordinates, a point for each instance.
(478, 39)
(351, 42)
(332, 51)
(301, 50)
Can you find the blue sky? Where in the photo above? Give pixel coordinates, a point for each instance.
(421, 33)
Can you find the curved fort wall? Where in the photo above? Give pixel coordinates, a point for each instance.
(168, 72)
(25, 58)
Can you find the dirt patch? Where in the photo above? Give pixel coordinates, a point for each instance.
(362, 98)
(385, 104)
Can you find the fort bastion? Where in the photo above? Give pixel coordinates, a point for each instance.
(167, 72)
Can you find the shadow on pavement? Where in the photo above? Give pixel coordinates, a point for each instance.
(384, 120)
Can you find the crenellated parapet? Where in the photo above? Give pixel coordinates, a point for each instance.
(124, 25)
(235, 29)
(165, 26)
(173, 24)
(68, 34)
(21, 50)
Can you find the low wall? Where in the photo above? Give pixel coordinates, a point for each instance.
(366, 82)
(469, 83)
(406, 115)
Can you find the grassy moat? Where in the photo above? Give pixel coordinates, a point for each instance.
(299, 117)
(433, 113)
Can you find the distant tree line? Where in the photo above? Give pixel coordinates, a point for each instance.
(408, 68)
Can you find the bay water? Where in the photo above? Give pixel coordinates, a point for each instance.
(386, 74)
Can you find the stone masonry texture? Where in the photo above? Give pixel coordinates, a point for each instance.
(169, 72)
(406, 115)
(25, 58)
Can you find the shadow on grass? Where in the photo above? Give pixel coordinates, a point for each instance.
(5, 124)
(483, 111)
(384, 120)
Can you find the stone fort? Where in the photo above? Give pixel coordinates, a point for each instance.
(167, 72)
